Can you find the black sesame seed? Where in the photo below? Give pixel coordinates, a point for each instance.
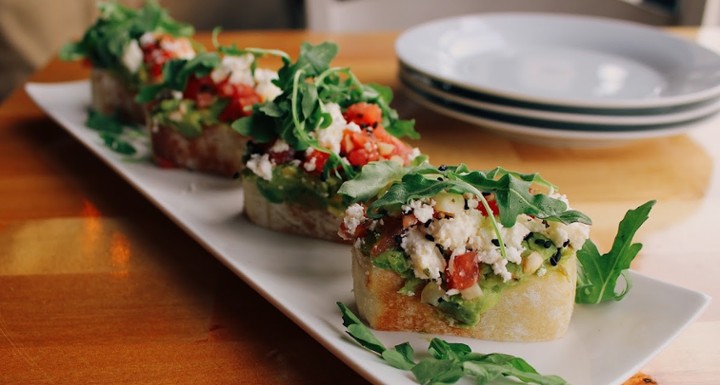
(466, 206)
(527, 237)
(406, 211)
(398, 239)
(427, 224)
(440, 179)
(547, 244)
(555, 258)
(429, 237)
(540, 242)
(442, 167)
(495, 242)
(440, 248)
(566, 243)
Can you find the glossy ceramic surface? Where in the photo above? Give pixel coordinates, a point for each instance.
(576, 61)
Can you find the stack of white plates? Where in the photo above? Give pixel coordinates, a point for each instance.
(560, 79)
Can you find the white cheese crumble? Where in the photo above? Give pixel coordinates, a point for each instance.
(264, 86)
(426, 258)
(179, 48)
(147, 38)
(260, 165)
(422, 211)
(354, 216)
(280, 146)
(331, 136)
(310, 165)
(237, 69)
(132, 57)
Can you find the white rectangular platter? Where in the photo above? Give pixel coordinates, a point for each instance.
(304, 278)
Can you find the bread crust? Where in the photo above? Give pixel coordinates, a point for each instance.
(287, 217)
(538, 309)
(110, 96)
(218, 150)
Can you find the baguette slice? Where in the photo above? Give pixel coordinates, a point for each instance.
(219, 149)
(287, 217)
(538, 309)
(110, 96)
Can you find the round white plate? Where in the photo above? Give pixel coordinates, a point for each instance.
(551, 135)
(421, 84)
(577, 61)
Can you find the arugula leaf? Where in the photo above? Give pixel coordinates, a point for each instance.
(401, 356)
(176, 74)
(115, 143)
(449, 362)
(359, 332)
(598, 274)
(103, 123)
(112, 131)
(375, 177)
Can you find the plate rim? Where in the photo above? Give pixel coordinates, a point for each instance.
(565, 117)
(619, 104)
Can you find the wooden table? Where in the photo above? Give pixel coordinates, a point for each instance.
(98, 286)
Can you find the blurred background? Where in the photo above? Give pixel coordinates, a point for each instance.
(32, 31)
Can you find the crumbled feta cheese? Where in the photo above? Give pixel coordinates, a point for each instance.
(414, 153)
(331, 136)
(500, 268)
(260, 165)
(177, 95)
(237, 69)
(422, 211)
(132, 57)
(578, 233)
(426, 259)
(147, 38)
(280, 146)
(310, 165)
(264, 86)
(455, 233)
(179, 48)
(354, 216)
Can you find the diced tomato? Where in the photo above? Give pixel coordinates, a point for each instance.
(195, 86)
(281, 157)
(464, 272)
(319, 158)
(242, 98)
(361, 156)
(493, 206)
(155, 58)
(364, 114)
(360, 231)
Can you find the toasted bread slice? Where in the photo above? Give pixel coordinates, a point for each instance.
(536, 309)
(218, 150)
(287, 217)
(111, 96)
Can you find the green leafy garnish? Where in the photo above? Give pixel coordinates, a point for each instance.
(105, 41)
(449, 362)
(308, 85)
(598, 274)
(389, 186)
(114, 133)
